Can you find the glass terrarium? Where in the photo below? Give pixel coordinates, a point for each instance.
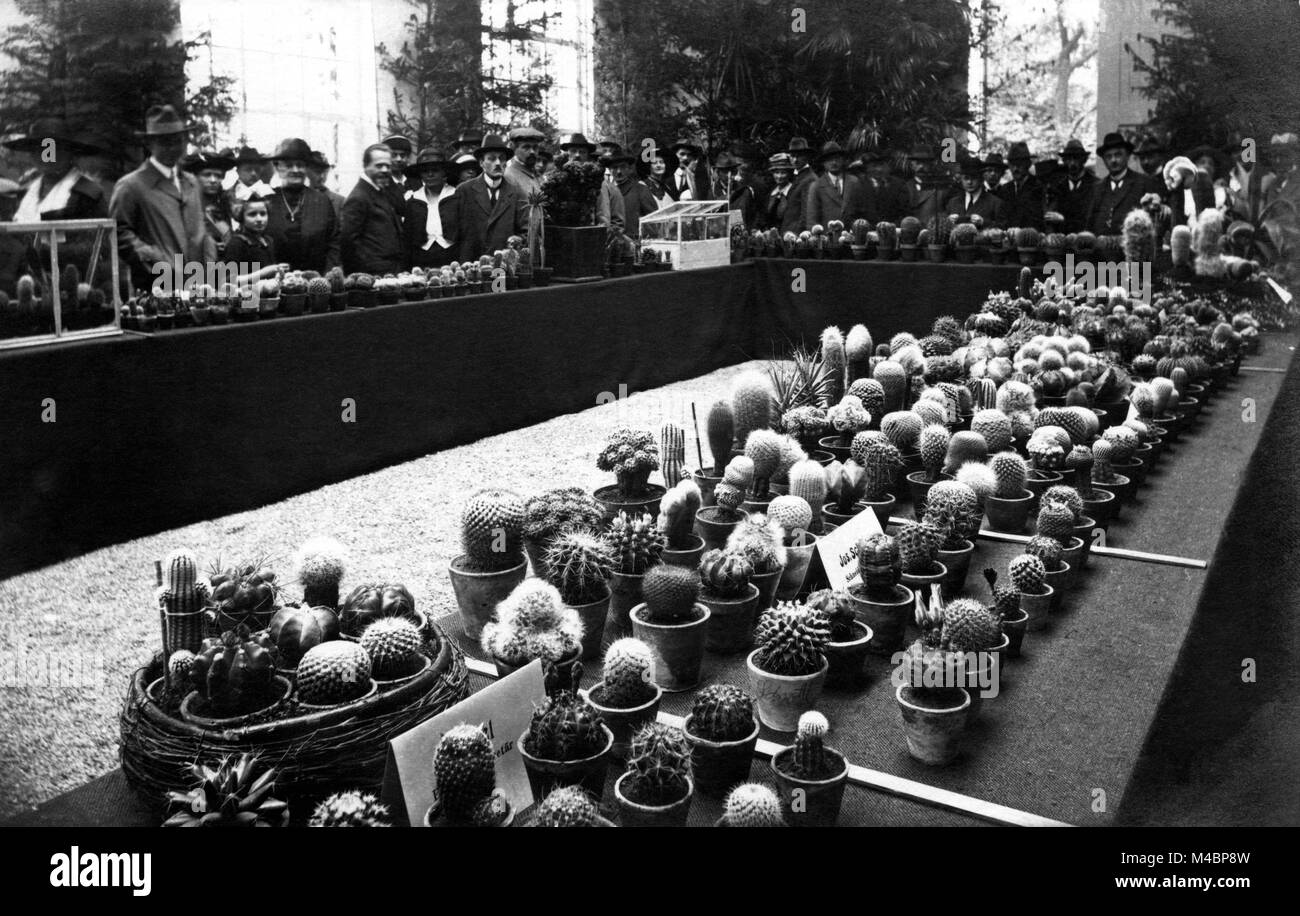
(58, 281)
(693, 233)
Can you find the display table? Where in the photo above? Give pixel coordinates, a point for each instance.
(157, 431)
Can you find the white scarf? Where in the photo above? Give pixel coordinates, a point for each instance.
(433, 224)
(33, 205)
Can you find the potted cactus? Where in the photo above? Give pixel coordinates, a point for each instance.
(723, 733)
(569, 806)
(234, 793)
(549, 513)
(795, 516)
(1008, 505)
(940, 229)
(579, 564)
(847, 418)
(973, 634)
(1104, 476)
(243, 594)
(909, 231)
(267, 293)
(761, 542)
(1006, 604)
(388, 290)
(627, 696)
(861, 229)
(181, 600)
(953, 508)
(788, 669)
(846, 484)
(886, 241)
(682, 546)
(567, 743)
(631, 454)
(918, 545)
(879, 600)
(334, 674)
(1053, 244)
(370, 601)
(716, 522)
(731, 598)
(1027, 241)
(965, 238)
(763, 449)
(533, 623)
(350, 809)
(338, 289)
(720, 426)
(880, 461)
(395, 646)
(993, 241)
(811, 774)
(637, 544)
(849, 640)
(657, 789)
(360, 288)
(673, 624)
(465, 783)
(751, 804)
(295, 631)
(318, 295)
(1061, 517)
(933, 703)
(234, 680)
(1029, 577)
(293, 294)
(1050, 551)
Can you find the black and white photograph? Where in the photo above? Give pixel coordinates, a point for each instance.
(861, 414)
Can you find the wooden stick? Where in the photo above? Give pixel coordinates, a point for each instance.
(695, 422)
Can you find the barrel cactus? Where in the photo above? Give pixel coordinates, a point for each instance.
(628, 674)
(233, 674)
(871, 393)
(568, 806)
(917, 545)
(1046, 548)
(1028, 574)
(752, 805)
(334, 673)
(670, 593)
(579, 564)
(565, 727)
(903, 429)
(791, 641)
(349, 809)
(637, 543)
(532, 623)
(721, 713)
(793, 514)
(659, 765)
(759, 541)
(1011, 473)
(995, 427)
(725, 575)
(393, 645)
(879, 566)
(953, 507)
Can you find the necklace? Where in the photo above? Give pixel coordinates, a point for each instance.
(292, 210)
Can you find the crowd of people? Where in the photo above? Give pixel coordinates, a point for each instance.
(430, 207)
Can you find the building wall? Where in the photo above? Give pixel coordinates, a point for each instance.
(1121, 102)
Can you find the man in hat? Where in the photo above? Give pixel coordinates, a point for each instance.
(427, 244)
(691, 179)
(753, 170)
(371, 239)
(728, 187)
(994, 168)
(159, 210)
(1024, 195)
(485, 211)
(402, 153)
(577, 147)
(210, 170)
(468, 141)
(319, 170)
(1120, 191)
(974, 203)
(1071, 188)
(301, 221)
(637, 199)
(610, 206)
(60, 190)
(96, 162)
(1151, 156)
(925, 197)
(783, 211)
(803, 154)
(521, 171)
(248, 178)
(890, 192)
(835, 195)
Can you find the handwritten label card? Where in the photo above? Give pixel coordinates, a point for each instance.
(504, 709)
(839, 549)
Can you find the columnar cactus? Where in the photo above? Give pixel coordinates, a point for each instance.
(858, 347)
(963, 447)
(984, 393)
(752, 805)
(677, 514)
(659, 764)
(532, 622)
(808, 482)
(880, 461)
(835, 360)
(722, 712)
(934, 443)
(491, 531)
(752, 404)
(793, 514)
(670, 593)
(893, 379)
(1028, 574)
(1180, 246)
(628, 674)
(672, 452)
(579, 564)
(464, 771)
(721, 429)
(879, 566)
(763, 449)
(917, 544)
(759, 541)
(995, 427)
(637, 543)
(903, 429)
(181, 599)
(725, 575)
(1011, 473)
(810, 760)
(791, 641)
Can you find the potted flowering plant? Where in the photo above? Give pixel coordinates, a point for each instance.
(631, 454)
(568, 195)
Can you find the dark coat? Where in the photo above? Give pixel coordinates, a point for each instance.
(253, 253)
(803, 180)
(85, 201)
(1025, 205)
(417, 217)
(156, 223)
(1072, 204)
(890, 197)
(1202, 196)
(823, 203)
(310, 240)
(924, 203)
(1107, 208)
(783, 212)
(638, 201)
(990, 208)
(371, 238)
(474, 226)
(700, 175)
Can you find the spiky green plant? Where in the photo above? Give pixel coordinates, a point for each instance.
(321, 562)
(835, 359)
(1028, 574)
(917, 545)
(637, 543)
(234, 793)
(393, 644)
(568, 806)
(579, 564)
(934, 443)
(791, 641)
(903, 429)
(953, 508)
(763, 448)
(752, 403)
(1048, 549)
(464, 773)
(659, 764)
(879, 565)
(353, 808)
(845, 485)
(1011, 473)
(565, 727)
(808, 482)
(880, 461)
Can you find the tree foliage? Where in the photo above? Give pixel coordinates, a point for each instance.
(100, 64)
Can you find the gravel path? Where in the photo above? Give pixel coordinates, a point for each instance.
(72, 634)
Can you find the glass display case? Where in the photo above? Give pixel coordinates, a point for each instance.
(693, 233)
(58, 281)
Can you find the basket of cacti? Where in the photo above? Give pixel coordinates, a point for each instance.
(631, 454)
(293, 294)
(549, 513)
(673, 624)
(360, 288)
(626, 696)
(788, 668)
(532, 623)
(965, 240)
(887, 240)
(464, 780)
(810, 776)
(1027, 241)
(491, 562)
(567, 743)
(579, 563)
(879, 600)
(723, 732)
(657, 788)
(849, 639)
(637, 544)
(677, 510)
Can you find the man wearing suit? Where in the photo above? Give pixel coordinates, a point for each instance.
(836, 194)
(1119, 192)
(1071, 189)
(691, 179)
(738, 193)
(301, 221)
(1151, 155)
(923, 200)
(637, 199)
(158, 208)
(994, 168)
(891, 193)
(783, 211)
(804, 176)
(1024, 195)
(521, 171)
(371, 237)
(610, 207)
(400, 182)
(974, 200)
(485, 211)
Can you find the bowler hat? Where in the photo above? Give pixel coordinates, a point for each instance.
(569, 141)
(427, 160)
(291, 149)
(831, 148)
(799, 145)
(318, 160)
(205, 160)
(163, 121)
(995, 161)
(610, 145)
(1114, 140)
(522, 134)
(398, 144)
(972, 165)
(780, 162)
(44, 129)
(491, 144)
(1019, 152)
(1073, 149)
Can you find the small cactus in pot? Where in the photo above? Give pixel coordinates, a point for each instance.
(657, 787)
(464, 774)
(181, 600)
(673, 625)
(534, 623)
(722, 731)
(811, 772)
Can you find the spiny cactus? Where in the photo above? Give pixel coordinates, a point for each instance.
(659, 764)
(393, 644)
(333, 673)
(1056, 521)
(236, 792)
(1011, 473)
(180, 671)
(1028, 574)
(677, 514)
(806, 423)
(903, 429)
(491, 530)
(637, 543)
(759, 541)
(670, 593)
(631, 454)
(725, 575)
(808, 482)
(672, 452)
(752, 805)
(567, 806)
(791, 454)
(809, 761)
(845, 484)
(963, 447)
(969, 626)
(917, 544)
(880, 461)
(835, 360)
(871, 393)
(532, 622)
(934, 444)
(847, 418)
(893, 379)
(349, 809)
(752, 404)
(182, 595)
(791, 640)
(1163, 390)
(858, 347)
(722, 712)
(721, 429)
(565, 727)
(628, 674)
(1123, 441)
(579, 564)
(233, 674)
(995, 427)
(763, 449)
(321, 561)
(1102, 472)
(464, 771)
(879, 566)
(1048, 549)
(549, 513)
(953, 507)
(979, 477)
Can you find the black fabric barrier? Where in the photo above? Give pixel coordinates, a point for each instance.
(151, 433)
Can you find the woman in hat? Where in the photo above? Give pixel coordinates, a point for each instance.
(655, 176)
(59, 190)
(218, 219)
(464, 167)
(426, 244)
(301, 220)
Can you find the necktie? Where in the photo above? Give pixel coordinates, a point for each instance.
(492, 196)
(969, 200)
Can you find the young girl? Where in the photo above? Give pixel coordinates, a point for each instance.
(250, 248)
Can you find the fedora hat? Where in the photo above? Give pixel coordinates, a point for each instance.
(995, 161)
(292, 148)
(799, 145)
(831, 148)
(163, 121)
(44, 129)
(610, 145)
(1019, 152)
(491, 144)
(248, 155)
(689, 145)
(612, 159)
(398, 144)
(569, 141)
(206, 160)
(1073, 149)
(1114, 140)
(1045, 168)
(1149, 144)
(780, 162)
(428, 159)
(319, 161)
(726, 160)
(973, 165)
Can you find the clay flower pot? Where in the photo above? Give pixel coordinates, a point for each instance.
(957, 562)
(923, 581)
(883, 508)
(593, 615)
(1038, 607)
(279, 692)
(633, 814)
(1009, 515)
(799, 558)
(624, 722)
(677, 648)
(767, 584)
(886, 620)
(920, 488)
(782, 699)
(1014, 629)
(731, 621)
(589, 772)
(820, 799)
(836, 446)
(479, 593)
(689, 557)
(1059, 580)
(845, 659)
(1072, 553)
(718, 766)
(561, 679)
(1120, 487)
(715, 525)
(831, 514)
(624, 594)
(1100, 505)
(933, 722)
(983, 673)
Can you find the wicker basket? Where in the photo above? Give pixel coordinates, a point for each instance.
(316, 753)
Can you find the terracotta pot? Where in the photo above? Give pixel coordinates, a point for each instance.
(883, 508)
(589, 772)
(767, 584)
(645, 504)
(832, 515)
(1038, 607)
(1083, 531)
(1059, 580)
(1038, 482)
(719, 766)
(821, 457)
(433, 817)
(715, 525)
(1121, 487)
(633, 814)
(923, 581)
(1100, 507)
(560, 680)
(820, 799)
(982, 673)
(707, 485)
(1014, 629)
(690, 558)
(833, 445)
(886, 620)
(1009, 515)
(731, 622)
(1135, 470)
(479, 593)
(593, 615)
(624, 723)
(799, 557)
(845, 659)
(782, 699)
(1072, 554)
(677, 648)
(957, 562)
(920, 489)
(624, 594)
(933, 731)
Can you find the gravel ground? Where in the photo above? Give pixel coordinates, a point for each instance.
(73, 633)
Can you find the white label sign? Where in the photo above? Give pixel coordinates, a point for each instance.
(1283, 294)
(839, 549)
